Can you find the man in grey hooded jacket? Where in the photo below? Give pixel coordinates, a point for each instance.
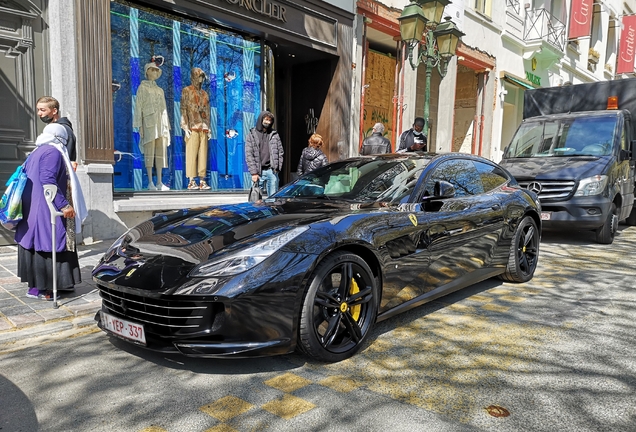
(264, 153)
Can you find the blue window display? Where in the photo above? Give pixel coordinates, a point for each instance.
(144, 41)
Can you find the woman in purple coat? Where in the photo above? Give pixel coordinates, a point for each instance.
(49, 164)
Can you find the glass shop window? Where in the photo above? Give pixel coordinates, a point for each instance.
(185, 95)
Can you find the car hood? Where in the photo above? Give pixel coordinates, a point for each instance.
(160, 252)
(555, 168)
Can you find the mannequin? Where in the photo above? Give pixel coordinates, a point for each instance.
(195, 122)
(151, 120)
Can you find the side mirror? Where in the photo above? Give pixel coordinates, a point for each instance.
(441, 190)
(632, 151)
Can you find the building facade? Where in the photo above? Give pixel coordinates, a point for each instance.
(290, 58)
(331, 67)
(544, 43)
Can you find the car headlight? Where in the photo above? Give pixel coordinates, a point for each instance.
(591, 186)
(245, 259)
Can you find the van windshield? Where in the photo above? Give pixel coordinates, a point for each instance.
(579, 136)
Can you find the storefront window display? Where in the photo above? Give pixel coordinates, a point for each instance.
(185, 96)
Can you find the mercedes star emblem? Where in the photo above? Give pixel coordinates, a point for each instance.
(535, 187)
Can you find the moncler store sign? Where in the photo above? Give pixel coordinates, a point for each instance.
(262, 7)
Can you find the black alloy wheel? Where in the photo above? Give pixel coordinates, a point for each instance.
(339, 308)
(524, 252)
(606, 233)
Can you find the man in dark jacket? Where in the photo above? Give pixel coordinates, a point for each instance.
(264, 153)
(413, 139)
(376, 143)
(49, 112)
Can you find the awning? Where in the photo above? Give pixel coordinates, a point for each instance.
(519, 82)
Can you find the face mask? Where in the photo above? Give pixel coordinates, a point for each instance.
(46, 119)
(417, 133)
(266, 124)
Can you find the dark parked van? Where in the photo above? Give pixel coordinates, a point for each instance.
(575, 150)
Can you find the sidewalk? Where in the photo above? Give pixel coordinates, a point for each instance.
(22, 317)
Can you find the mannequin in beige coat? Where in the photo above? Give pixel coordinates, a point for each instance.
(151, 120)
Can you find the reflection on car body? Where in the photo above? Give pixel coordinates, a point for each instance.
(317, 264)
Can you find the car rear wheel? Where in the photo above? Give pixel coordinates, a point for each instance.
(524, 252)
(339, 308)
(606, 233)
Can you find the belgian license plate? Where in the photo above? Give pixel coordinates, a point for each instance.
(546, 215)
(124, 328)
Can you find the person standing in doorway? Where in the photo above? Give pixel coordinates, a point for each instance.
(264, 153)
(376, 143)
(48, 109)
(312, 156)
(195, 122)
(413, 139)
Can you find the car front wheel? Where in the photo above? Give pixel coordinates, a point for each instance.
(339, 308)
(524, 252)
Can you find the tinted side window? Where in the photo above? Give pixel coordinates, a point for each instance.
(491, 176)
(460, 173)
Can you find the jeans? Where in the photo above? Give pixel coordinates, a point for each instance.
(270, 179)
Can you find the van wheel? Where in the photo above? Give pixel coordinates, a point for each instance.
(606, 233)
(631, 220)
(524, 252)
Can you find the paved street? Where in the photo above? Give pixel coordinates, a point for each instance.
(557, 353)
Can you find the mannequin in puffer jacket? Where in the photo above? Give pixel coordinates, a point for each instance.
(312, 156)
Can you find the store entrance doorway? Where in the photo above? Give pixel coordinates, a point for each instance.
(303, 78)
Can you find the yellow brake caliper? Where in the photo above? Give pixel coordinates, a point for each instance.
(355, 310)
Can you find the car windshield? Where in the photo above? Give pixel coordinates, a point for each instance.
(359, 180)
(578, 136)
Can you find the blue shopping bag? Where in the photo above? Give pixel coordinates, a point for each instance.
(11, 203)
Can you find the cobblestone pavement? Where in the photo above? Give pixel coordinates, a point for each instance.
(21, 316)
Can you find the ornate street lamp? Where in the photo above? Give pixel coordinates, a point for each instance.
(422, 18)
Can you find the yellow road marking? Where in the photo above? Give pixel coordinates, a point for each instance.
(288, 406)
(221, 428)
(226, 408)
(288, 382)
(340, 383)
(495, 307)
(512, 299)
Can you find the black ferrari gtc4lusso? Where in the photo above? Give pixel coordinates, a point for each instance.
(314, 266)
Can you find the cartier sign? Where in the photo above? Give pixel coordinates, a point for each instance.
(581, 14)
(262, 7)
(625, 63)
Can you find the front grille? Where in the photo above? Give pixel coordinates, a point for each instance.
(550, 189)
(167, 317)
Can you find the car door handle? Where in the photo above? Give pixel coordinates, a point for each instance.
(496, 207)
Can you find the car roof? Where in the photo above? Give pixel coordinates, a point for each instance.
(423, 155)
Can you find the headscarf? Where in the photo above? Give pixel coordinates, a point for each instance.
(56, 136)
